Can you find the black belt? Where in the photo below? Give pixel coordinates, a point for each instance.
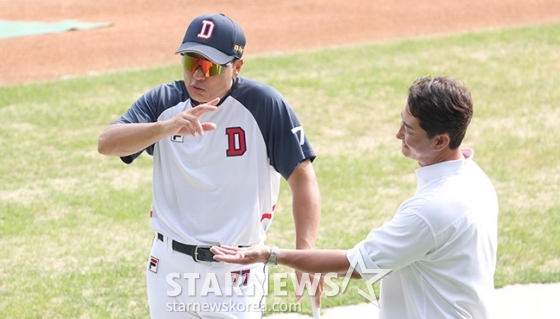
(198, 253)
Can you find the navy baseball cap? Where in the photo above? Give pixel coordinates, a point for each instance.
(216, 37)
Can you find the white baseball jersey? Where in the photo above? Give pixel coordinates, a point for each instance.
(221, 188)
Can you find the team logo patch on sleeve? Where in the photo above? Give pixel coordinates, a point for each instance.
(152, 266)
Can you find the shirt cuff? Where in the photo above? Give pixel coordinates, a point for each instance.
(360, 261)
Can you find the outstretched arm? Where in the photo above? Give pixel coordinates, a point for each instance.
(126, 139)
(305, 260)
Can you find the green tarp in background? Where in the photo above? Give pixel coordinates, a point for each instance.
(13, 29)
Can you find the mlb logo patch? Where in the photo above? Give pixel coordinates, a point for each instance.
(177, 138)
(153, 264)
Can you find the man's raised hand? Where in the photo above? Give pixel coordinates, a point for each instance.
(188, 122)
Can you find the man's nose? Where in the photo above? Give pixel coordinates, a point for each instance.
(400, 134)
(198, 74)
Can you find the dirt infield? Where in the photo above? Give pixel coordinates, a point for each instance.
(146, 33)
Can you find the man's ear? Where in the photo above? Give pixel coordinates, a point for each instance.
(237, 67)
(442, 141)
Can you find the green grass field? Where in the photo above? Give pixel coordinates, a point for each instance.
(74, 224)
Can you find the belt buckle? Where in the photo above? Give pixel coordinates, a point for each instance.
(196, 254)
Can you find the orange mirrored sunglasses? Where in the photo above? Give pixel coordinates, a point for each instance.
(208, 68)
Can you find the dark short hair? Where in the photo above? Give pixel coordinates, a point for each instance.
(442, 105)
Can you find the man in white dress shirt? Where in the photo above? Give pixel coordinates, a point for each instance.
(441, 243)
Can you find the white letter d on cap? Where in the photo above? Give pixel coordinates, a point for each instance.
(207, 30)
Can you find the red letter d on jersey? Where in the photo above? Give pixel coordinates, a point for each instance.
(236, 141)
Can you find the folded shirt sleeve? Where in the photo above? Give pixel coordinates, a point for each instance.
(396, 244)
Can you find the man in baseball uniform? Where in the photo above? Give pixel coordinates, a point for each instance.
(441, 244)
(220, 144)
